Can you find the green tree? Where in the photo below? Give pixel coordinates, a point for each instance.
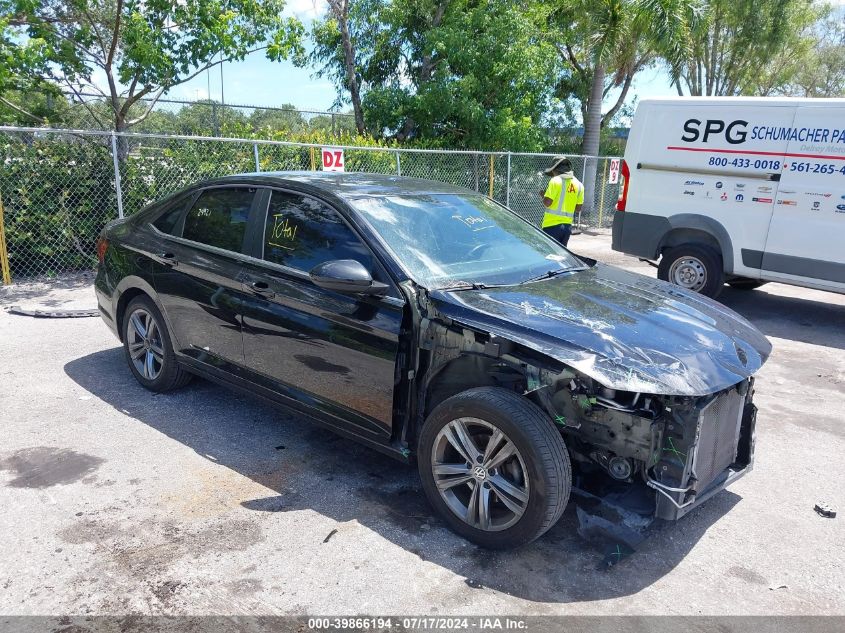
(602, 45)
(143, 48)
(736, 45)
(464, 72)
(821, 72)
(284, 118)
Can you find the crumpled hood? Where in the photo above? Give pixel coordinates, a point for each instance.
(625, 330)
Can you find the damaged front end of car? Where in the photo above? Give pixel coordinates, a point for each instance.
(637, 454)
(683, 449)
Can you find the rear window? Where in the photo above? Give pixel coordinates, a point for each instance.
(218, 218)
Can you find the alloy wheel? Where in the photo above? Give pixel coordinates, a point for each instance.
(143, 337)
(480, 474)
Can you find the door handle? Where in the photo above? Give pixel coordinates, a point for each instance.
(261, 288)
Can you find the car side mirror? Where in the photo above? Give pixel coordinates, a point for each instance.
(346, 275)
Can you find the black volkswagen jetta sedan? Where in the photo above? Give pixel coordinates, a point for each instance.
(431, 323)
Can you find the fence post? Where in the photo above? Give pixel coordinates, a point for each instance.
(601, 195)
(4, 254)
(398, 164)
(255, 153)
(475, 156)
(508, 184)
(117, 186)
(583, 180)
(492, 175)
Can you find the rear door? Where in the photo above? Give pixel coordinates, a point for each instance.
(806, 242)
(198, 279)
(326, 351)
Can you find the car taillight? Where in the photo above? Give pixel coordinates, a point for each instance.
(626, 180)
(102, 245)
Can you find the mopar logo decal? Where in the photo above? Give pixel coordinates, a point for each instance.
(739, 197)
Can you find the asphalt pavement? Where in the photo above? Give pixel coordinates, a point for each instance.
(118, 501)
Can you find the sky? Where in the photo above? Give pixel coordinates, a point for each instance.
(257, 81)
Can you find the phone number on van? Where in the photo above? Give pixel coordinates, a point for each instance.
(744, 163)
(815, 168)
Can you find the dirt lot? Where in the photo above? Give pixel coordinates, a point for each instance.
(115, 500)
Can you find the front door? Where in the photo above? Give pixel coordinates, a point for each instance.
(197, 282)
(331, 351)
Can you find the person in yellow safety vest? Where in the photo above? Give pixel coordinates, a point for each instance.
(562, 198)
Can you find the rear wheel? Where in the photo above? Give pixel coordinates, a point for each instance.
(694, 267)
(494, 467)
(148, 350)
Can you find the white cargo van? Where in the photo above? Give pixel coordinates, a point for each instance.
(737, 190)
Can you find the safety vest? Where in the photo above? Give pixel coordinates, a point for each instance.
(565, 194)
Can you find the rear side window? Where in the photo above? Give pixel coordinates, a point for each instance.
(302, 232)
(218, 218)
(168, 222)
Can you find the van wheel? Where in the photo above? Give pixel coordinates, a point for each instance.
(694, 267)
(740, 283)
(494, 467)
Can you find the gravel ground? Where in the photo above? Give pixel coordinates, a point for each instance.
(117, 501)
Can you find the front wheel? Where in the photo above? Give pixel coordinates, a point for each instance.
(694, 267)
(494, 466)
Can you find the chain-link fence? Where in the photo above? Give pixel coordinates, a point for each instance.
(207, 117)
(58, 188)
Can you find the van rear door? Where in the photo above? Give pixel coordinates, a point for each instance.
(807, 233)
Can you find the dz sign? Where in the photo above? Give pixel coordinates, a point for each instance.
(332, 159)
(613, 177)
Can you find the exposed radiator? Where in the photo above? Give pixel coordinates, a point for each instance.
(719, 427)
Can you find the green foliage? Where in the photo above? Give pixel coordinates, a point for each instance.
(56, 201)
(148, 46)
(462, 74)
(736, 46)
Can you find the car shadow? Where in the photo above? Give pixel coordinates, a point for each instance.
(309, 468)
(792, 318)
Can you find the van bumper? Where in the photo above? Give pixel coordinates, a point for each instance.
(638, 234)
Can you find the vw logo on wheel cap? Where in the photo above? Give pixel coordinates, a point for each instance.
(480, 473)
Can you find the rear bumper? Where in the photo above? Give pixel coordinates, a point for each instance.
(639, 234)
(105, 304)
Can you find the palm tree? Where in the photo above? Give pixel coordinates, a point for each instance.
(603, 44)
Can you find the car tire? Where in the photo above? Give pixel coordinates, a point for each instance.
(695, 267)
(742, 283)
(151, 358)
(524, 494)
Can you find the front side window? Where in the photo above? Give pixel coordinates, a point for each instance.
(218, 218)
(302, 232)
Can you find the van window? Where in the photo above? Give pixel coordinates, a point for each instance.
(218, 218)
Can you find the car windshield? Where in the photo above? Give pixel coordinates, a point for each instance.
(453, 240)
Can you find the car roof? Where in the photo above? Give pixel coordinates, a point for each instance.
(348, 185)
